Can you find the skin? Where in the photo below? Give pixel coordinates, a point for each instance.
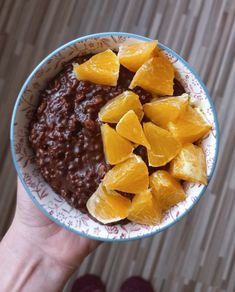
(36, 254)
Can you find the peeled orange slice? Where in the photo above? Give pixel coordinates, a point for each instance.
(163, 111)
(145, 209)
(116, 148)
(190, 164)
(114, 109)
(166, 189)
(164, 147)
(102, 68)
(132, 56)
(129, 127)
(108, 206)
(190, 127)
(130, 176)
(155, 76)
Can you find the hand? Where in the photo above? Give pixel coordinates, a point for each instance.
(65, 247)
(36, 254)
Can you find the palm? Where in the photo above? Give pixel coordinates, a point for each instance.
(64, 246)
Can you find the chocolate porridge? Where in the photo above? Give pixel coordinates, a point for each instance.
(65, 132)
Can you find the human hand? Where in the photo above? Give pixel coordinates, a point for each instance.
(37, 253)
(56, 242)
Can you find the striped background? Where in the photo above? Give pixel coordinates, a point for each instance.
(197, 254)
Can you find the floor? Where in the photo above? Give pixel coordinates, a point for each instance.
(198, 253)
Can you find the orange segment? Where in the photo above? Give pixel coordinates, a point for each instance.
(166, 189)
(102, 68)
(164, 147)
(190, 164)
(190, 127)
(129, 127)
(155, 76)
(113, 110)
(133, 56)
(108, 206)
(130, 176)
(163, 111)
(145, 209)
(116, 148)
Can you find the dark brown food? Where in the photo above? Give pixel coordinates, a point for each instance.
(65, 132)
(178, 88)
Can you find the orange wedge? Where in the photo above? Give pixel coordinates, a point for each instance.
(166, 189)
(130, 128)
(130, 176)
(155, 76)
(190, 164)
(133, 56)
(164, 147)
(102, 68)
(108, 206)
(114, 109)
(145, 209)
(163, 111)
(116, 148)
(190, 127)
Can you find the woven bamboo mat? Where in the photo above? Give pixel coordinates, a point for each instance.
(197, 254)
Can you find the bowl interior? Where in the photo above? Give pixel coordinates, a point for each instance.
(45, 198)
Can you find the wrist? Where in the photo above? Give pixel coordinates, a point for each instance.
(24, 266)
(50, 240)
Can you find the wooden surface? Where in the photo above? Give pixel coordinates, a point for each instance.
(197, 254)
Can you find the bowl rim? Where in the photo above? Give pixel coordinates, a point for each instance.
(42, 63)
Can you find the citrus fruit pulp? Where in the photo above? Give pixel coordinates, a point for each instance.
(108, 206)
(132, 56)
(145, 209)
(163, 111)
(164, 147)
(130, 176)
(166, 189)
(155, 76)
(190, 164)
(116, 148)
(114, 109)
(129, 127)
(102, 68)
(189, 127)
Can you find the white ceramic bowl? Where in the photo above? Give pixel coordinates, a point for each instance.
(52, 205)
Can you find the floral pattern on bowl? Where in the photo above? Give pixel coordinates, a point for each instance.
(44, 197)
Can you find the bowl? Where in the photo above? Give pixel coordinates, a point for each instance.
(55, 207)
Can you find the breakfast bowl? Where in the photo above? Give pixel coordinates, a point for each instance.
(45, 198)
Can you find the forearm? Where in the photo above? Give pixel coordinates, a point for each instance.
(24, 267)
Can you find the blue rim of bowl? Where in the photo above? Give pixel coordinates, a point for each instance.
(18, 169)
